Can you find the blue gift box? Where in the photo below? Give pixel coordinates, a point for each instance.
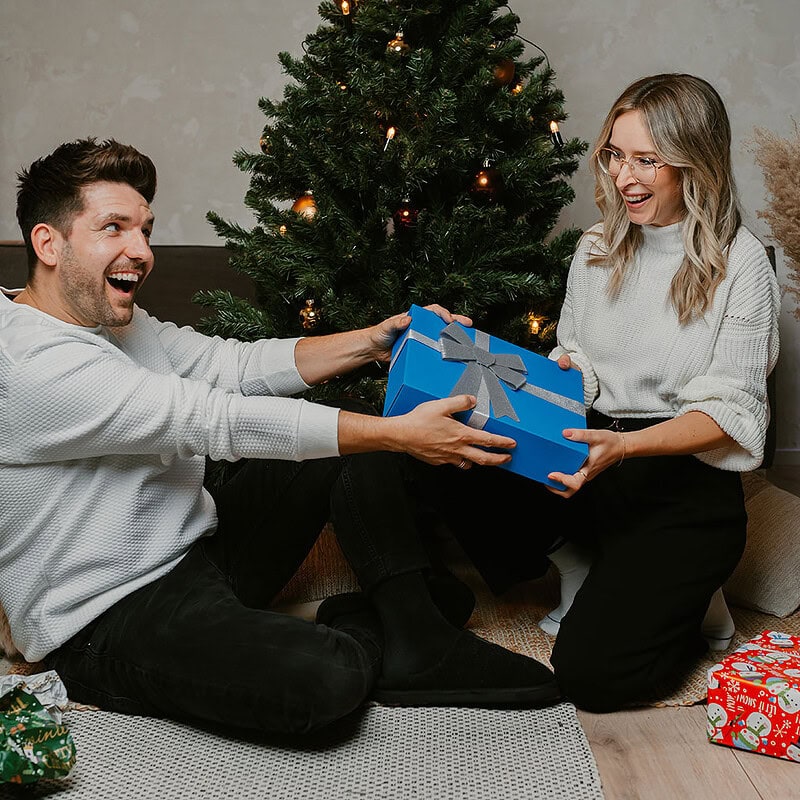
(520, 394)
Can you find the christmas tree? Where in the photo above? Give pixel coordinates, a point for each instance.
(414, 158)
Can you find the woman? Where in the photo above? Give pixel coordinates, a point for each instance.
(671, 315)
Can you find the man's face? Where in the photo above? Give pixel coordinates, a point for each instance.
(106, 257)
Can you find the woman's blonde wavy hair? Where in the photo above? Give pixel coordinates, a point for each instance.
(690, 130)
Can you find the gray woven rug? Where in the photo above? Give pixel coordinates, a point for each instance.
(392, 753)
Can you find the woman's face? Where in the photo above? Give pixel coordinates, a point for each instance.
(659, 202)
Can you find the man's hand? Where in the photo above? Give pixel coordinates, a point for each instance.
(428, 433)
(384, 334)
(319, 358)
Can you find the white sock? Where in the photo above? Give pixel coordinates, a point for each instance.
(573, 564)
(718, 627)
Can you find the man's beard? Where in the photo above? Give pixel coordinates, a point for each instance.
(89, 298)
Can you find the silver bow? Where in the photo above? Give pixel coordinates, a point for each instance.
(483, 374)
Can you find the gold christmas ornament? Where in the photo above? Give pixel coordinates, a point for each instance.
(398, 46)
(310, 315)
(264, 143)
(305, 205)
(504, 72)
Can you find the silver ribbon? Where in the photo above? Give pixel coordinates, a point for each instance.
(484, 372)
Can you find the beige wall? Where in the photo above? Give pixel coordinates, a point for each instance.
(180, 79)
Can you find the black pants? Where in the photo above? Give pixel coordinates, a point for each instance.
(666, 532)
(200, 644)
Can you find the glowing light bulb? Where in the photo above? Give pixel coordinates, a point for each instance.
(555, 135)
(390, 134)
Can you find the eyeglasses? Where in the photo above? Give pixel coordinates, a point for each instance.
(643, 169)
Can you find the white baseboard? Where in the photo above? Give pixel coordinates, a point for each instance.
(787, 457)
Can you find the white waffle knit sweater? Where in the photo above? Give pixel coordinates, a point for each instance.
(103, 434)
(637, 361)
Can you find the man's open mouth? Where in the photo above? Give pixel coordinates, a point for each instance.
(124, 281)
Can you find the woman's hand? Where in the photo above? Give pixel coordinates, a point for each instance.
(565, 362)
(606, 448)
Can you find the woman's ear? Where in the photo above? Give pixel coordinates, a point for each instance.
(46, 243)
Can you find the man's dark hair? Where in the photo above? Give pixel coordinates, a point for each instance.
(51, 189)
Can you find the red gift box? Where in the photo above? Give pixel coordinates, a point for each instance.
(754, 697)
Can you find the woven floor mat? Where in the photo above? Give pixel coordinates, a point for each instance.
(392, 753)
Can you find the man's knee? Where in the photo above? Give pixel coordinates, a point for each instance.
(329, 688)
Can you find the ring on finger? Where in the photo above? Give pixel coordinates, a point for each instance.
(463, 463)
(585, 476)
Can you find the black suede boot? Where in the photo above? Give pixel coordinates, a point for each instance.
(428, 661)
(473, 672)
(452, 597)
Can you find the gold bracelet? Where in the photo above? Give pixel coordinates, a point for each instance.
(624, 450)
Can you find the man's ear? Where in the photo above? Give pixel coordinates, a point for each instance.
(46, 241)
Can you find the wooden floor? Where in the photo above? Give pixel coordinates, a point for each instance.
(663, 753)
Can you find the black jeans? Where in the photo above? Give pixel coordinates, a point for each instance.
(666, 532)
(201, 645)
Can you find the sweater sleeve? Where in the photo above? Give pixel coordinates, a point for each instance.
(733, 391)
(264, 367)
(567, 333)
(70, 399)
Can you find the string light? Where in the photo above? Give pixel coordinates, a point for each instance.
(535, 323)
(390, 134)
(555, 135)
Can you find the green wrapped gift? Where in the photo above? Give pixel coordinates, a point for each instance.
(32, 744)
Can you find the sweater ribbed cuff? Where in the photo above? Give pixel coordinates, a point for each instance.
(318, 431)
(747, 451)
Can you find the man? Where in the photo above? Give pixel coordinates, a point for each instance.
(119, 569)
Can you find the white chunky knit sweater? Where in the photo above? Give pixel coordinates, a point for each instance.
(637, 361)
(103, 434)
